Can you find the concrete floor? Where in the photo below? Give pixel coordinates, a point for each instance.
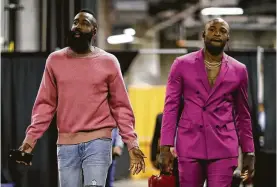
(131, 183)
(137, 183)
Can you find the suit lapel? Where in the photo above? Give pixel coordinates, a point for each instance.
(222, 73)
(200, 69)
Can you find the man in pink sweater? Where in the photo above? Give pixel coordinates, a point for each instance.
(84, 86)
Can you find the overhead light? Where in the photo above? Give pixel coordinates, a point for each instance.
(129, 31)
(221, 11)
(119, 39)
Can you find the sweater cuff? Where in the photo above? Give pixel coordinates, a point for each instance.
(30, 140)
(132, 144)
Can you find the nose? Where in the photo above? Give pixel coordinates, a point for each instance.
(76, 26)
(217, 33)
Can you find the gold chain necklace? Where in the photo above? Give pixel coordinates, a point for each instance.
(210, 65)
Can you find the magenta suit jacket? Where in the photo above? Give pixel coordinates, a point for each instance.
(206, 129)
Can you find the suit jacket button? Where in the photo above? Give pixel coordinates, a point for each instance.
(197, 92)
(217, 126)
(201, 126)
(204, 108)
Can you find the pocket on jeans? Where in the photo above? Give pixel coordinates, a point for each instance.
(66, 151)
(104, 145)
(101, 149)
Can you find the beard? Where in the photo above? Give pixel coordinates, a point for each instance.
(79, 44)
(214, 50)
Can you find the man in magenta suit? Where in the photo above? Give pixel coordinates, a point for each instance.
(215, 119)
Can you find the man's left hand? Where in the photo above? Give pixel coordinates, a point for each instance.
(248, 166)
(136, 160)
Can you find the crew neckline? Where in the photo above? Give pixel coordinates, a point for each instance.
(95, 53)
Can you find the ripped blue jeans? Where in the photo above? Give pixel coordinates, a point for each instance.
(85, 164)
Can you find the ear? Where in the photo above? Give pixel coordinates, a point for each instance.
(203, 34)
(94, 31)
(228, 38)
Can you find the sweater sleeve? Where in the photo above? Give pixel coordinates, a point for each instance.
(121, 107)
(44, 107)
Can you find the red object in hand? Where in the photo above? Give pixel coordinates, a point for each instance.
(162, 180)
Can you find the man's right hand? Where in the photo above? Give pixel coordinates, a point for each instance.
(25, 147)
(166, 159)
(173, 152)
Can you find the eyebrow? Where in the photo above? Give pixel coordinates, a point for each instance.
(222, 27)
(77, 19)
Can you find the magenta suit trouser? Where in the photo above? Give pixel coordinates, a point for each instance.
(218, 173)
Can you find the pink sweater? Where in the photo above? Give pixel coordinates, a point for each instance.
(89, 96)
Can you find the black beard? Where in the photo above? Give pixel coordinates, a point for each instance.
(214, 50)
(81, 44)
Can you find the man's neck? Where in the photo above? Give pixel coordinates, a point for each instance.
(84, 53)
(211, 57)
